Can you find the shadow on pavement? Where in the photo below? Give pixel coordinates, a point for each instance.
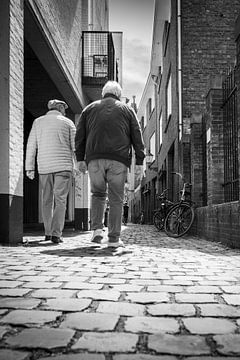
(37, 243)
(139, 236)
(86, 251)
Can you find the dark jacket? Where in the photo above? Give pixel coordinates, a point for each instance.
(108, 129)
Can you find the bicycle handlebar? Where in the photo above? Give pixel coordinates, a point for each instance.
(180, 175)
(177, 173)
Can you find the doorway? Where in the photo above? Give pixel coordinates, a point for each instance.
(38, 89)
(30, 187)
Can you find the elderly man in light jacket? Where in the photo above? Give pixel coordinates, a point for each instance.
(52, 137)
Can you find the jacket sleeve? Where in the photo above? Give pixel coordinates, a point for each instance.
(80, 139)
(136, 138)
(31, 149)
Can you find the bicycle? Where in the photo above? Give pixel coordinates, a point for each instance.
(140, 218)
(160, 213)
(180, 217)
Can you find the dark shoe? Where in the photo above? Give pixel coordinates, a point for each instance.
(56, 240)
(48, 237)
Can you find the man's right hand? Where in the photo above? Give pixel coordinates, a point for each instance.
(138, 172)
(30, 174)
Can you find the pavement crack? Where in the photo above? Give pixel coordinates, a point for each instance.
(120, 326)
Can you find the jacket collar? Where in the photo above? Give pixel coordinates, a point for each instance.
(111, 95)
(54, 112)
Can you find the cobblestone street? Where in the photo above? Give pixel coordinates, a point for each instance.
(163, 299)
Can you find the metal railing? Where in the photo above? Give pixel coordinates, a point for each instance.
(230, 138)
(98, 58)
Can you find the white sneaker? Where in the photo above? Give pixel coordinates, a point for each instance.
(97, 236)
(116, 245)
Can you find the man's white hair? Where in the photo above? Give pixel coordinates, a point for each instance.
(112, 87)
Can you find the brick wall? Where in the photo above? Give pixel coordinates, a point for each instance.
(196, 151)
(215, 153)
(169, 65)
(208, 47)
(84, 15)
(11, 104)
(170, 150)
(186, 169)
(11, 124)
(63, 22)
(16, 98)
(219, 223)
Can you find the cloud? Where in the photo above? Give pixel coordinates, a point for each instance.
(136, 65)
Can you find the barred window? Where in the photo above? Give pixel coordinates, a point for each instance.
(230, 138)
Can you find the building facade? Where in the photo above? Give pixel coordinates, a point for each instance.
(196, 124)
(146, 114)
(49, 49)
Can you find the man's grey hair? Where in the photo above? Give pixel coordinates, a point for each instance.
(112, 87)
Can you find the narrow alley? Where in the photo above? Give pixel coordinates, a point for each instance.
(162, 299)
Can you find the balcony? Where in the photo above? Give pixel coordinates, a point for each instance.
(101, 61)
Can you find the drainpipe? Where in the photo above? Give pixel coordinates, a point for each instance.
(90, 15)
(180, 123)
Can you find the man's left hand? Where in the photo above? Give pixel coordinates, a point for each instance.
(82, 166)
(30, 174)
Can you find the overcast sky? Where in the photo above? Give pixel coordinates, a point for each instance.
(135, 19)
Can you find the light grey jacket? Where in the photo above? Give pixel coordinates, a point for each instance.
(52, 137)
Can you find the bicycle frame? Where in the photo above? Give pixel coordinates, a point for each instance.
(180, 217)
(184, 189)
(160, 214)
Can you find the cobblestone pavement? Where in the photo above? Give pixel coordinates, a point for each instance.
(163, 299)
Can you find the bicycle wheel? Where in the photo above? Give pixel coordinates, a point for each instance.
(179, 220)
(158, 220)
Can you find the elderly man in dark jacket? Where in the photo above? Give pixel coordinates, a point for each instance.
(106, 133)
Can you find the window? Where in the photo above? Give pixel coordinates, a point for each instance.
(160, 131)
(153, 146)
(169, 98)
(165, 37)
(230, 138)
(148, 108)
(100, 65)
(142, 123)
